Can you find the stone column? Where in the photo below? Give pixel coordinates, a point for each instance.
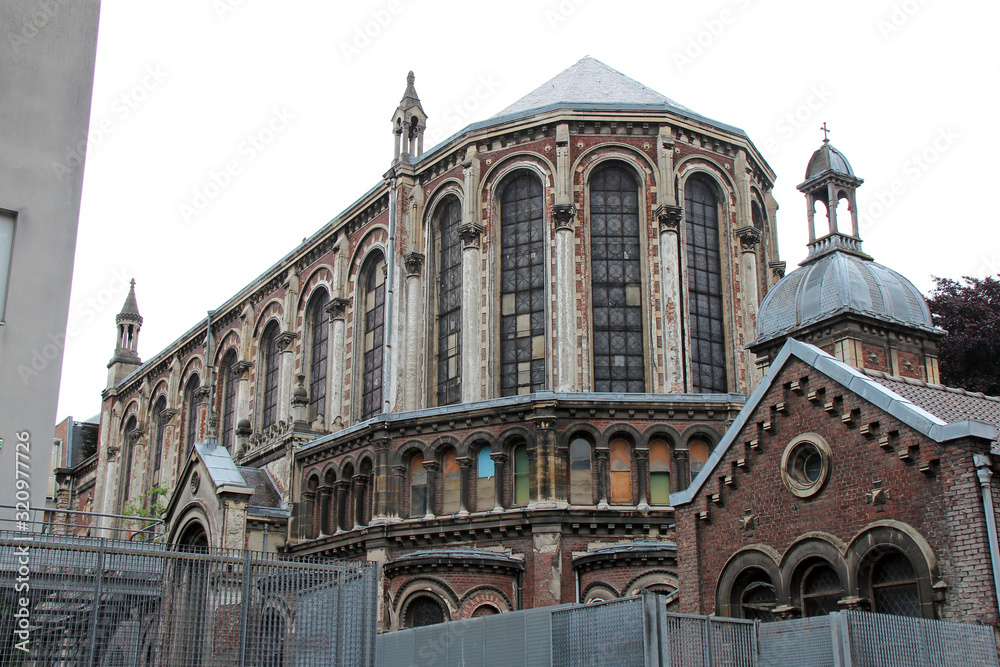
(385, 497)
(201, 399)
(241, 371)
(464, 466)
(360, 486)
(641, 460)
(285, 341)
(413, 340)
(681, 461)
(337, 308)
(669, 218)
(399, 489)
(306, 516)
(472, 269)
(325, 492)
(431, 467)
(499, 459)
(342, 486)
(749, 238)
(566, 346)
(602, 477)
(548, 480)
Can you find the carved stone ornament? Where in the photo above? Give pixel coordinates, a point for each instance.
(563, 216)
(414, 262)
(241, 369)
(749, 520)
(669, 217)
(778, 269)
(195, 481)
(878, 494)
(285, 339)
(749, 237)
(337, 308)
(470, 235)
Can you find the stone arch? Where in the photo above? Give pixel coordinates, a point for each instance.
(580, 429)
(497, 173)
(663, 432)
(423, 586)
(754, 557)
(192, 515)
(598, 591)
(481, 596)
(450, 187)
(272, 310)
(230, 341)
(408, 449)
(321, 277)
(811, 547)
(650, 579)
(593, 157)
(623, 430)
(516, 435)
(440, 445)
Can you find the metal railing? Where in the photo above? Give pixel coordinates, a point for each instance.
(74, 523)
(97, 602)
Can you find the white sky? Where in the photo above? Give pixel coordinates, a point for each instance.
(182, 84)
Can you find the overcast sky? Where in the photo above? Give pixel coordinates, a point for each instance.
(296, 98)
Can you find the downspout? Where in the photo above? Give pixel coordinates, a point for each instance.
(985, 473)
(209, 368)
(390, 278)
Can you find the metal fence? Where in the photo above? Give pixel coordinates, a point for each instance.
(72, 602)
(620, 640)
(708, 641)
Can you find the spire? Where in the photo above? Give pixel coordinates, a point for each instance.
(130, 310)
(126, 357)
(408, 124)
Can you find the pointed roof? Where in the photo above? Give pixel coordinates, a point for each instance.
(130, 310)
(410, 98)
(592, 82)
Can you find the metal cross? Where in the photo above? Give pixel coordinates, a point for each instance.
(826, 131)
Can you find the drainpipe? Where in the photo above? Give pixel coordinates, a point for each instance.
(389, 280)
(209, 372)
(985, 473)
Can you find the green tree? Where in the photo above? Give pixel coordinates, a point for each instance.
(969, 310)
(148, 505)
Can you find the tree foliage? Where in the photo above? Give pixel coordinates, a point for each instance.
(969, 310)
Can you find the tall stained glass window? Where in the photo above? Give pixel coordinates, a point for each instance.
(373, 335)
(228, 377)
(449, 360)
(522, 286)
(704, 288)
(616, 281)
(271, 368)
(319, 329)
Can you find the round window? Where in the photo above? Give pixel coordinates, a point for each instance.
(805, 465)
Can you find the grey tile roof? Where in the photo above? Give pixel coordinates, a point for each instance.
(589, 81)
(219, 464)
(946, 403)
(265, 494)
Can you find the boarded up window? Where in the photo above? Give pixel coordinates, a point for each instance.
(621, 472)
(659, 473)
(451, 500)
(485, 480)
(698, 454)
(580, 478)
(521, 495)
(418, 486)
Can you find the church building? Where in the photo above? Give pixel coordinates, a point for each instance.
(515, 373)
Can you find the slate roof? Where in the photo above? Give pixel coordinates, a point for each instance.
(947, 403)
(265, 494)
(589, 81)
(130, 308)
(219, 464)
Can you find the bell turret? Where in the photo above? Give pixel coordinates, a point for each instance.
(126, 358)
(408, 124)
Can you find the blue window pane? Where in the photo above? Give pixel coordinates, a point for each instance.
(486, 466)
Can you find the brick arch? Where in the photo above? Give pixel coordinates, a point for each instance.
(194, 364)
(636, 161)
(515, 435)
(320, 278)
(402, 455)
(440, 445)
(745, 560)
(624, 431)
(663, 432)
(688, 166)
(450, 187)
(703, 430)
(589, 431)
(497, 173)
(482, 595)
(649, 578)
(273, 310)
(476, 441)
(605, 590)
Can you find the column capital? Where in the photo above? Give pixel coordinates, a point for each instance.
(202, 393)
(241, 369)
(470, 234)
(680, 454)
(563, 216)
(749, 237)
(399, 470)
(602, 454)
(337, 308)
(342, 485)
(641, 454)
(669, 217)
(778, 269)
(433, 466)
(414, 262)
(360, 479)
(499, 457)
(464, 461)
(168, 413)
(284, 340)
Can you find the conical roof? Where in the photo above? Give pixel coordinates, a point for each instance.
(592, 82)
(130, 310)
(410, 98)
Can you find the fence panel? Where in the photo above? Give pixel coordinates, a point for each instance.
(706, 641)
(94, 602)
(883, 640)
(599, 634)
(808, 640)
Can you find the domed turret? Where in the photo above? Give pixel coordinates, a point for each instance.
(839, 299)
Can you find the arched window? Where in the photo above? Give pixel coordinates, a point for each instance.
(449, 360)
(128, 439)
(893, 584)
(451, 484)
(581, 486)
(373, 334)
(522, 495)
(347, 517)
(272, 360)
(659, 472)
(191, 405)
(820, 589)
(161, 427)
(485, 479)
(704, 283)
(418, 486)
(616, 275)
(319, 333)
(484, 610)
(620, 471)
(522, 286)
(753, 596)
(698, 456)
(227, 376)
(424, 610)
(757, 215)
